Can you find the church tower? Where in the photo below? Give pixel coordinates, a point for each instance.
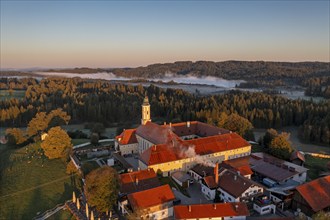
(145, 111)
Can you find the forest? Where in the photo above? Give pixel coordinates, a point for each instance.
(114, 103)
(313, 77)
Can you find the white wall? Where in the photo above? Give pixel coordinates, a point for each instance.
(161, 214)
(253, 190)
(226, 197)
(301, 178)
(208, 193)
(128, 148)
(271, 208)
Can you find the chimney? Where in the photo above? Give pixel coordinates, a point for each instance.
(136, 181)
(189, 208)
(188, 124)
(216, 173)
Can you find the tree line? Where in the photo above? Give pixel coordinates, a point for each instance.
(113, 103)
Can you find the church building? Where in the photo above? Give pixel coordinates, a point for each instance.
(179, 146)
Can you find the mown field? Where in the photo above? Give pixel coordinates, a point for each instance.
(31, 184)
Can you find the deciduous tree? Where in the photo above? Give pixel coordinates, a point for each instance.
(101, 188)
(280, 146)
(57, 144)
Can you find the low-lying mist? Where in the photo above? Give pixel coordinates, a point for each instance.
(188, 79)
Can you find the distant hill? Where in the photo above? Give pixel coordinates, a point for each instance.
(230, 69)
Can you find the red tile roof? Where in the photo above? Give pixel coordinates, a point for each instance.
(163, 153)
(210, 182)
(151, 197)
(210, 210)
(316, 193)
(127, 137)
(138, 181)
(239, 164)
(140, 175)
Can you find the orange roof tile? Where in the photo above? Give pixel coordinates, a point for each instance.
(127, 137)
(151, 197)
(141, 175)
(240, 164)
(316, 193)
(138, 180)
(164, 153)
(210, 182)
(211, 210)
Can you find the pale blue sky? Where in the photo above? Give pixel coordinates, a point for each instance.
(134, 33)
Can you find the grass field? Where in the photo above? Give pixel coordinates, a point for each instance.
(6, 94)
(315, 165)
(32, 184)
(62, 215)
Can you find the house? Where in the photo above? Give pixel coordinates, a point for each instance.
(297, 157)
(273, 171)
(264, 206)
(155, 203)
(212, 211)
(126, 142)
(234, 187)
(199, 171)
(313, 196)
(135, 182)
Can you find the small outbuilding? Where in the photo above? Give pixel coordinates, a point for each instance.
(181, 178)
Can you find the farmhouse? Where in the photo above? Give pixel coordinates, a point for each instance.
(134, 182)
(155, 203)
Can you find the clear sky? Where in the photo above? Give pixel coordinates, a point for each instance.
(138, 33)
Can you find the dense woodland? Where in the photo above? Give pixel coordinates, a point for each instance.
(314, 77)
(110, 104)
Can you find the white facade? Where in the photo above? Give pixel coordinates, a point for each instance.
(208, 193)
(251, 191)
(226, 197)
(195, 175)
(160, 214)
(263, 210)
